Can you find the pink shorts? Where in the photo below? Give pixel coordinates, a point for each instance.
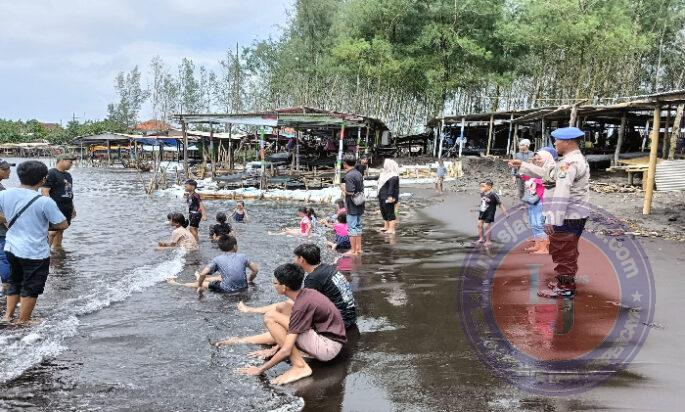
(317, 346)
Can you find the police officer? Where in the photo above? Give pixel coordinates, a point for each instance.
(566, 210)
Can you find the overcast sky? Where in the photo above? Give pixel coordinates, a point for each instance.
(59, 57)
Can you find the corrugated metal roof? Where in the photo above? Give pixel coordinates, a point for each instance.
(670, 175)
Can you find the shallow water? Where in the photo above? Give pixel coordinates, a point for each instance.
(117, 337)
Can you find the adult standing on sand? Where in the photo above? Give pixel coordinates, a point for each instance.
(568, 211)
(4, 263)
(28, 216)
(524, 155)
(389, 194)
(59, 186)
(353, 189)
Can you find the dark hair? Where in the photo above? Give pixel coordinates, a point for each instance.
(179, 219)
(221, 217)
(240, 202)
(342, 218)
(340, 203)
(227, 243)
(168, 216)
(311, 212)
(290, 275)
(31, 172)
(191, 182)
(309, 252)
(349, 159)
(487, 182)
(303, 210)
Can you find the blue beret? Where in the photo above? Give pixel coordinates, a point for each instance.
(567, 133)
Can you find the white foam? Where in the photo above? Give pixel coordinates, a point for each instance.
(26, 348)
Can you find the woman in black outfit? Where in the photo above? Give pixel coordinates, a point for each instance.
(389, 193)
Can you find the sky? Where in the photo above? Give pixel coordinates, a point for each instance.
(58, 58)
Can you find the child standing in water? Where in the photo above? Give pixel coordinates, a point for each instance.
(220, 228)
(180, 236)
(488, 207)
(441, 173)
(240, 213)
(196, 211)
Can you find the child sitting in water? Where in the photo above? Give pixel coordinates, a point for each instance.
(488, 206)
(305, 228)
(333, 218)
(342, 239)
(231, 267)
(180, 236)
(240, 213)
(221, 228)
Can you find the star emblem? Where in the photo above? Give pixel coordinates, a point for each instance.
(637, 297)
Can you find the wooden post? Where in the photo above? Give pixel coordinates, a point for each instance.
(211, 149)
(621, 135)
(664, 146)
(442, 137)
(653, 150)
(545, 138)
(511, 124)
(262, 154)
(186, 168)
(435, 142)
(574, 115)
(338, 165)
(109, 153)
(461, 135)
(644, 137)
(492, 124)
(359, 141)
(515, 143)
(366, 142)
(230, 147)
(675, 132)
(297, 151)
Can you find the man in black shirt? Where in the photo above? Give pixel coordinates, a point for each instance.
(353, 186)
(60, 187)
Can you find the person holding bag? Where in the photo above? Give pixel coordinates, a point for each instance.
(352, 188)
(533, 197)
(389, 194)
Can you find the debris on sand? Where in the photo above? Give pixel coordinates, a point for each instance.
(601, 187)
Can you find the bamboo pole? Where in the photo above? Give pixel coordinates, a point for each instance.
(297, 151)
(621, 135)
(435, 142)
(338, 165)
(653, 151)
(109, 153)
(366, 142)
(664, 146)
(492, 123)
(262, 155)
(461, 135)
(211, 149)
(230, 147)
(359, 141)
(442, 137)
(675, 132)
(186, 168)
(511, 125)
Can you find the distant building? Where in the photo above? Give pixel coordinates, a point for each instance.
(152, 127)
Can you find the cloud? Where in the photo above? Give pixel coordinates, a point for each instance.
(60, 57)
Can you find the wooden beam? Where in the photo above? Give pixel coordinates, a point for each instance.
(653, 151)
(511, 123)
(621, 134)
(675, 133)
(664, 146)
(492, 123)
(442, 137)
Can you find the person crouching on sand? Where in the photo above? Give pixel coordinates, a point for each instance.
(314, 326)
(180, 236)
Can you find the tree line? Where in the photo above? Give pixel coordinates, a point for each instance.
(404, 61)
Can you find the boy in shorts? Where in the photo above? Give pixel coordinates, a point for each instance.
(231, 266)
(486, 213)
(196, 211)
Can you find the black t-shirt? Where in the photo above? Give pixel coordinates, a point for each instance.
(193, 201)
(390, 188)
(220, 229)
(328, 281)
(361, 169)
(354, 183)
(488, 204)
(61, 186)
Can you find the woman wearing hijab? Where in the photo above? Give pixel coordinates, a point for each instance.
(389, 193)
(534, 191)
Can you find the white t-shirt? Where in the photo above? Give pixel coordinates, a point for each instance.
(28, 237)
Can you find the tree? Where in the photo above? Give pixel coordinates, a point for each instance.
(131, 98)
(189, 88)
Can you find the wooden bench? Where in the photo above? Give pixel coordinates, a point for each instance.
(631, 169)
